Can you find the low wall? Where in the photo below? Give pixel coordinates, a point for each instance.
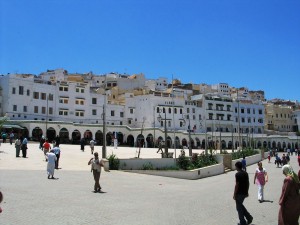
(137, 164)
(185, 174)
(249, 160)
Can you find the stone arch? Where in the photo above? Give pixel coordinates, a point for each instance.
(203, 144)
(99, 137)
(283, 145)
(76, 137)
(36, 134)
(198, 143)
(279, 146)
(169, 142)
(120, 137)
(223, 144)
(274, 145)
(140, 140)
(289, 145)
(109, 138)
(259, 144)
(159, 139)
(149, 141)
(130, 140)
(177, 142)
(229, 144)
(51, 134)
(244, 144)
(237, 144)
(265, 144)
(269, 144)
(64, 135)
(184, 142)
(88, 135)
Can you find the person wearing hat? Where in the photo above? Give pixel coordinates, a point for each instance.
(96, 165)
(51, 158)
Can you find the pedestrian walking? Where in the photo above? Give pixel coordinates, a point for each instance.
(160, 146)
(4, 136)
(260, 178)
(18, 147)
(11, 137)
(269, 157)
(47, 148)
(42, 141)
(56, 150)
(244, 164)
(96, 165)
(290, 199)
(24, 147)
(57, 141)
(82, 143)
(51, 158)
(92, 145)
(277, 160)
(240, 193)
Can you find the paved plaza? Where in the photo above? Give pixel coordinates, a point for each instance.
(127, 198)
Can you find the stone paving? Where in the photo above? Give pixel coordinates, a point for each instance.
(127, 198)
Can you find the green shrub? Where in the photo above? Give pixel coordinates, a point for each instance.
(147, 166)
(114, 162)
(246, 153)
(196, 161)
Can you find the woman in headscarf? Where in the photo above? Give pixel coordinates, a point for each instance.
(290, 198)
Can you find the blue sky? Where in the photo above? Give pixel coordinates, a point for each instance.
(244, 43)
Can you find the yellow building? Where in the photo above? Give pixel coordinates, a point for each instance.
(279, 117)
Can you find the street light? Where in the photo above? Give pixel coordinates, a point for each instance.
(189, 131)
(104, 127)
(159, 118)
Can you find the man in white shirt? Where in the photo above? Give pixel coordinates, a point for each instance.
(92, 145)
(51, 158)
(56, 150)
(96, 165)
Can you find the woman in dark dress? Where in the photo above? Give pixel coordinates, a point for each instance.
(290, 198)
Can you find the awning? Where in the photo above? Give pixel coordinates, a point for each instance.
(10, 126)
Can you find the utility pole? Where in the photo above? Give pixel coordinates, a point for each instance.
(104, 127)
(239, 119)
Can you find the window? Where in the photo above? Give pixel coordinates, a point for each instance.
(180, 111)
(63, 88)
(260, 111)
(43, 96)
(181, 124)
(187, 110)
(63, 112)
(14, 107)
(131, 111)
(157, 109)
(79, 101)
(175, 110)
(169, 123)
(248, 111)
(28, 92)
(249, 120)
(80, 89)
(94, 112)
(24, 108)
(94, 101)
(242, 110)
(194, 117)
(79, 113)
(200, 117)
(162, 123)
(13, 90)
(112, 113)
(21, 90)
(253, 111)
(121, 114)
(129, 121)
(43, 110)
(36, 109)
(170, 111)
(50, 97)
(63, 100)
(243, 120)
(36, 95)
(50, 110)
(235, 110)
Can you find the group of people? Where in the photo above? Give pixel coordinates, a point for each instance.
(21, 144)
(289, 200)
(52, 156)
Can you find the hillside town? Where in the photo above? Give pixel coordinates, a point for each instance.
(137, 111)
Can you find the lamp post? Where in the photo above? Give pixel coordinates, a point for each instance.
(159, 118)
(104, 127)
(189, 132)
(47, 111)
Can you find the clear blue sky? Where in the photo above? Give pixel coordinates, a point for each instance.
(244, 43)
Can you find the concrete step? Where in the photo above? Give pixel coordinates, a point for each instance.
(226, 170)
